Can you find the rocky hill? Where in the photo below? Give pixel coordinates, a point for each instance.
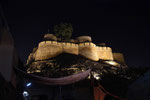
(114, 79)
(67, 63)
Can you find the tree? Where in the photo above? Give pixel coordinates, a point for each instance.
(63, 31)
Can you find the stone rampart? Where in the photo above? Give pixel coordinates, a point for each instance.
(70, 48)
(119, 57)
(50, 49)
(105, 53)
(88, 50)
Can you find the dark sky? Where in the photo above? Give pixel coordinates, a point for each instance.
(121, 24)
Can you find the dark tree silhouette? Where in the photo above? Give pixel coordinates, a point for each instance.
(63, 31)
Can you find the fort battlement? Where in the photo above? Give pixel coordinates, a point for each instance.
(49, 49)
(44, 43)
(82, 46)
(87, 44)
(103, 48)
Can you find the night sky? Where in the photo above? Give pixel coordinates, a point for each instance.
(121, 24)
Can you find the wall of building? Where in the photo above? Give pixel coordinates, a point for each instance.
(50, 49)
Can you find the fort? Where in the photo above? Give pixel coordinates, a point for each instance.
(49, 49)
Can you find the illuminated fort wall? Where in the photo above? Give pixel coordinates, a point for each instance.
(50, 49)
(119, 57)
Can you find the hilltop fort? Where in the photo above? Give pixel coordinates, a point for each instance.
(52, 46)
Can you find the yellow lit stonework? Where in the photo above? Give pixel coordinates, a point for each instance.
(50, 49)
(119, 58)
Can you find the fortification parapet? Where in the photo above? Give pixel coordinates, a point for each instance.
(105, 53)
(92, 44)
(89, 52)
(70, 48)
(81, 44)
(104, 48)
(87, 44)
(54, 42)
(100, 48)
(49, 49)
(41, 43)
(58, 43)
(108, 48)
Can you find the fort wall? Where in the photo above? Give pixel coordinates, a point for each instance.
(70, 48)
(105, 53)
(50, 49)
(88, 50)
(119, 58)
